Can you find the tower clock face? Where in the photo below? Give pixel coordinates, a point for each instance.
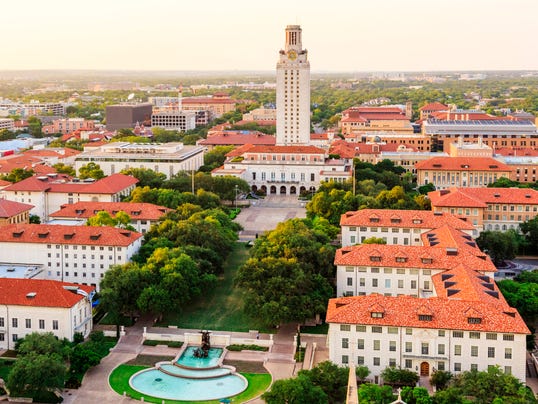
(292, 55)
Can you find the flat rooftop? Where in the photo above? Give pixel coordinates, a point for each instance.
(21, 271)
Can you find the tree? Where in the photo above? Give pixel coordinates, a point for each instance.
(215, 158)
(34, 127)
(34, 374)
(499, 245)
(331, 378)
(34, 219)
(399, 377)
(373, 394)
(64, 169)
(530, 229)
(91, 170)
(416, 395)
(103, 218)
(440, 379)
(18, 174)
(146, 177)
(362, 372)
(298, 390)
(42, 344)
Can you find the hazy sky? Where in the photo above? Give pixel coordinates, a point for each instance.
(341, 35)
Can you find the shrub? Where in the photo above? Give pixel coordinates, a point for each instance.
(245, 347)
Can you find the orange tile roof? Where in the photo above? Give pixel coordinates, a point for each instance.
(207, 100)
(403, 311)
(516, 151)
(238, 138)
(376, 117)
(415, 257)
(239, 151)
(141, 211)
(463, 197)
(434, 106)
(422, 219)
(11, 208)
(48, 293)
(62, 234)
(351, 149)
(4, 183)
(462, 164)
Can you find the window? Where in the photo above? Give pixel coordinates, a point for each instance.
(441, 365)
(360, 360)
(425, 348)
(491, 352)
(441, 333)
(374, 283)
(413, 284)
(474, 350)
(392, 362)
(441, 349)
(491, 336)
(408, 347)
(508, 337)
(349, 281)
(377, 361)
(392, 346)
(387, 283)
(474, 366)
(54, 324)
(360, 343)
(377, 345)
(2, 322)
(508, 370)
(345, 342)
(14, 337)
(507, 353)
(2, 338)
(392, 330)
(408, 363)
(425, 317)
(408, 331)
(457, 367)
(457, 350)
(345, 359)
(41, 324)
(377, 330)
(361, 328)
(376, 314)
(474, 335)
(345, 327)
(400, 283)
(474, 320)
(457, 334)
(14, 322)
(28, 323)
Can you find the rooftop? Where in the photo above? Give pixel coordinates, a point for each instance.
(10, 208)
(481, 197)
(462, 164)
(137, 211)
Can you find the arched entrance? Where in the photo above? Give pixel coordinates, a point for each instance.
(293, 190)
(282, 190)
(302, 190)
(254, 188)
(273, 189)
(263, 188)
(424, 369)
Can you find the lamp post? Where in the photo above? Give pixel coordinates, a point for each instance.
(312, 189)
(235, 200)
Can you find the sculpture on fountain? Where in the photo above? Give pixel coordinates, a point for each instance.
(203, 351)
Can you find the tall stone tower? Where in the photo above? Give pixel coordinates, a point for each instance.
(293, 91)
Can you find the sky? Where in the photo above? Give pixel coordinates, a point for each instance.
(238, 35)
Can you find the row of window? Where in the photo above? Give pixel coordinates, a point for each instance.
(75, 274)
(388, 283)
(75, 247)
(283, 177)
(398, 271)
(441, 333)
(385, 229)
(28, 323)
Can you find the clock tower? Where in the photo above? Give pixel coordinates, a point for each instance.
(293, 91)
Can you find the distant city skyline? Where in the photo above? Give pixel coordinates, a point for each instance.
(341, 36)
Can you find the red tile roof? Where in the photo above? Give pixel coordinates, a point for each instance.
(10, 208)
(207, 100)
(516, 151)
(462, 164)
(351, 149)
(434, 106)
(413, 257)
(109, 185)
(238, 138)
(465, 116)
(60, 234)
(141, 211)
(259, 122)
(460, 197)
(422, 219)
(287, 149)
(4, 183)
(376, 117)
(403, 311)
(47, 293)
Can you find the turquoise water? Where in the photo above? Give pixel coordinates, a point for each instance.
(195, 373)
(155, 383)
(188, 359)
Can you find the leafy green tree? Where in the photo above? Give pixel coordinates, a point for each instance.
(374, 240)
(64, 169)
(42, 344)
(399, 377)
(373, 394)
(18, 174)
(34, 219)
(34, 127)
(215, 157)
(91, 170)
(331, 378)
(416, 395)
(499, 245)
(103, 218)
(440, 379)
(424, 189)
(530, 229)
(146, 177)
(504, 182)
(362, 372)
(34, 374)
(298, 390)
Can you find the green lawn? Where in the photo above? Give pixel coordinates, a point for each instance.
(119, 381)
(221, 307)
(5, 368)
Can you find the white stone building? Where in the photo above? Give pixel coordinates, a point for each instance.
(78, 254)
(168, 158)
(293, 91)
(48, 193)
(174, 120)
(31, 305)
(402, 227)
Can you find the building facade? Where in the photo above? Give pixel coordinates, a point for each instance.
(174, 120)
(293, 91)
(14, 212)
(30, 305)
(127, 115)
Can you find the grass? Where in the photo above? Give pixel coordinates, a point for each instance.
(317, 329)
(220, 307)
(119, 381)
(126, 321)
(149, 360)
(169, 344)
(243, 347)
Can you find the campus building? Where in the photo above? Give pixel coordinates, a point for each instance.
(78, 254)
(127, 115)
(30, 305)
(14, 212)
(174, 120)
(372, 119)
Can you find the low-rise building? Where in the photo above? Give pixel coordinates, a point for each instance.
(78, 254)
(261, 114)
(14, 212)
(174, 120)
(68, 125)
(466, 172)
(167, 158)
(31, 305)
(127, 115)
(7, 124)
(49, 192)
(369, 119)
(236, 138)
(143, 215)
(488, 208)
(398, 227)
(218, 104)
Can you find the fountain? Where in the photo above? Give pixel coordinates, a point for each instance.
(203, 351)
